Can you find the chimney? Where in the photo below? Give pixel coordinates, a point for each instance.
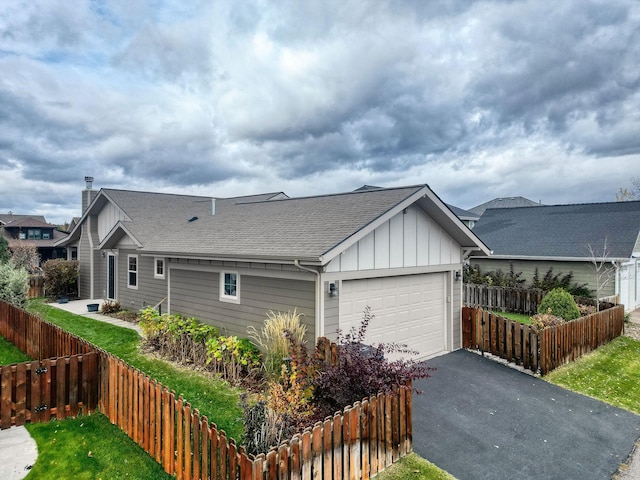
(88, 194)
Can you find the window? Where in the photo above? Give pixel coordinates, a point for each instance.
(34, 234)
(23, 236)
(132, 271)
(158, 271)
(46, 235)
(230, 287)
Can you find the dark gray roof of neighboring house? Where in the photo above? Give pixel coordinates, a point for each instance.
(463, 214)
(562, 231)
(504, 202)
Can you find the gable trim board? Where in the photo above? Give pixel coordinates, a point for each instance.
(426, 244)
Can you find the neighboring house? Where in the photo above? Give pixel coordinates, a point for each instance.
(33, 229)
(559, 236)
(504, 202)
(468, 218)
(228, 261)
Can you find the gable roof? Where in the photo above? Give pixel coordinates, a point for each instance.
(28, 222)
(312, 229)
(504, 202)
(561, 231)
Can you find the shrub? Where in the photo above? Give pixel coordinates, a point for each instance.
(14, 284)
(233, 354)
(279, 330)
(263, 428)
(360, 372)
(25, 255)
(550, 281)
(5, 254)
(60, 277)
(560, 303)
(110, 307)
(540, 321)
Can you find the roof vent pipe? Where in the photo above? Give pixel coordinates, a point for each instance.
(88, 182)
(213, 206)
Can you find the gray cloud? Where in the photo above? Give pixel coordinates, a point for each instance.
(318, 96)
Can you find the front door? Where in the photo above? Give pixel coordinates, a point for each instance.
(111, 276)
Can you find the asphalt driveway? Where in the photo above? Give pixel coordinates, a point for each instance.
(479, 419)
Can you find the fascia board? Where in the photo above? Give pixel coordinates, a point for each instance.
(90, 208)
(370, 227)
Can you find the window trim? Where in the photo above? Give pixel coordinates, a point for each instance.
(136, 271)
(225, 297)
(155, 267)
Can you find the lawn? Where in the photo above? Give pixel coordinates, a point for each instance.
(518, 317)
(413, 467)
(213, 398)
(609, 374)
(10, 354)
(89, 448)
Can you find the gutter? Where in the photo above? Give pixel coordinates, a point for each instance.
(319, 325)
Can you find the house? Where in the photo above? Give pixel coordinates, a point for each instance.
(228, 261)
(563, 237)
(504, 202)
(468, 217)
(33, 229)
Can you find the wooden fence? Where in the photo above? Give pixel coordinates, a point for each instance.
(36, 286)
(37, 338)
(39, 390)
(356, 443)
(502, 299)
(540, 351)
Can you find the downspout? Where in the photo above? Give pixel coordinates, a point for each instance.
(319, 324)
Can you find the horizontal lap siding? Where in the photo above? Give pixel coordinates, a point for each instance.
(583, 272)
(196, 294)
(150, 289)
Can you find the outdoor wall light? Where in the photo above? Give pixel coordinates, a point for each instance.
(333, 289)
(458, 276)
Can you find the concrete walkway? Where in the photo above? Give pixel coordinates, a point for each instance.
(18, 453)
(79, 307)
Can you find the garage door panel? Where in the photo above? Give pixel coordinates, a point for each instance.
(408, 309)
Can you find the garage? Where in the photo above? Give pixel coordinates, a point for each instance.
(408, 309)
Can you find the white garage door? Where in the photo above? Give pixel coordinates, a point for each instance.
(408, 309)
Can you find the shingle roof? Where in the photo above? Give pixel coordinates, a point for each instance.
(463, 214)
(504, 202)
(305, 227)
(268, 226)
(12, 217)
(561, 230)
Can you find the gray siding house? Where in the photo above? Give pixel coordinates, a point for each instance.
(560, 236)
(228, 261)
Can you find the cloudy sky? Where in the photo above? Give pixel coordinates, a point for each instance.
(477, 99)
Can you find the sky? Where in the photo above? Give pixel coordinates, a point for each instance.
(478, 100)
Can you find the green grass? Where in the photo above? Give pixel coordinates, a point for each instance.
(609, 374)
(10, 354)
(413, 467)
(89, 448)
(212, 397)
(518, 317)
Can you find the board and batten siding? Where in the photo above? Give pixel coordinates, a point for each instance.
(150, 290)
(410, 239)
(456, 313)
(195, 293)
(107, 218)
(583, 272)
